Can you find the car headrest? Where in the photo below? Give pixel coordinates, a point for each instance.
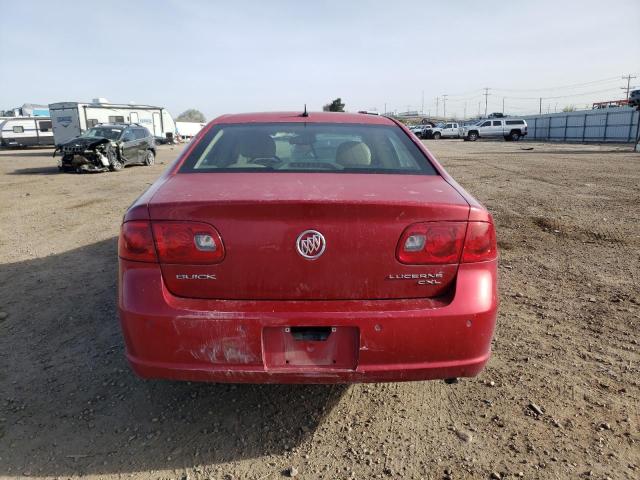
(353, 154)
(258, 145)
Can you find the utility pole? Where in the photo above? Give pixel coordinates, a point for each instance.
(385, 108)
(502, 105)
(540, 105)
(628, 79)
(478, 109)
(486, 99)
(437, 100)
(444, 106)
(464, 117)
(422, 109)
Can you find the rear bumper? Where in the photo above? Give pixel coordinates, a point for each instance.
(225, 341)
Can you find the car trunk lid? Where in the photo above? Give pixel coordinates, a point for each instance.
(260, 217)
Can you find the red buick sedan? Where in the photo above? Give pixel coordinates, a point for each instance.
(310, 248)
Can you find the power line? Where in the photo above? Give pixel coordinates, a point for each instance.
(544, 97)
(569, 95)
(543, 89)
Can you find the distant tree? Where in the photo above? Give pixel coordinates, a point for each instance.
(569, 108)
(191, 115)
(335, 106)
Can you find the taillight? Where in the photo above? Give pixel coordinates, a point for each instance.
(480, 244)
(136, 242)
(431, 243)
(189, 243)
(438, 243)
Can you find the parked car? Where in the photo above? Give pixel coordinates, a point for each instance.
(510, 129)
(427, 132)
(446, 130)
(107, 147)
(313, 248)
(422, 131)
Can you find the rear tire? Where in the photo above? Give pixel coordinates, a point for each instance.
(149, 158)
(473, 136)
(514, 136)
(437, 136)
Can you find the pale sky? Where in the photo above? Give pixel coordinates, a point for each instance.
(238, 56)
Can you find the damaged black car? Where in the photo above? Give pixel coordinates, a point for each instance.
(107, 147)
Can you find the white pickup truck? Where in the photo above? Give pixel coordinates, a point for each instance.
(512, 129)
(448, 130)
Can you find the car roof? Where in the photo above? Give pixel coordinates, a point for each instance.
(313, 117)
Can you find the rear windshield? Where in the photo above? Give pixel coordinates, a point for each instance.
(310, 147)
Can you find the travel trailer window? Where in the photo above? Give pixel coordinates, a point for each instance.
(116, 119)
(18, 129)
(44, 125)
(92, 122)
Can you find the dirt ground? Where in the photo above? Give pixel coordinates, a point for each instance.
(559, 398)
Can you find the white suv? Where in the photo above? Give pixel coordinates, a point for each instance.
(511, 129)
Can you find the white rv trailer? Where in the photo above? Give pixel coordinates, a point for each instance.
(25, 131)
(70, 119)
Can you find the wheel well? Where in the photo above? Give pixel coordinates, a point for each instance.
(516, 130)
(473, 131)
(153, 150)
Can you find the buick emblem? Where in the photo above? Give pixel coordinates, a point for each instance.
(310, 244)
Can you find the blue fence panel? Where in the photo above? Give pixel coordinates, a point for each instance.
(606, 125)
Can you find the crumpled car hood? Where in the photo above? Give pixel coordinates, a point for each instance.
(84, 142)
